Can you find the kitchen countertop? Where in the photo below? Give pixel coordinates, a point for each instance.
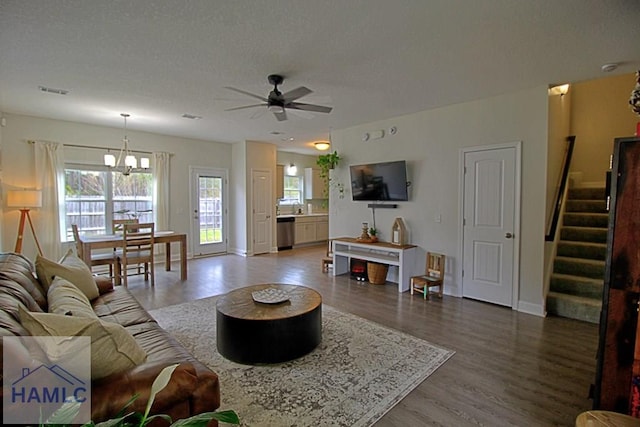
(302, 215)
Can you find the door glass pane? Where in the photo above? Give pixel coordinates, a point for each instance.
(210, 203)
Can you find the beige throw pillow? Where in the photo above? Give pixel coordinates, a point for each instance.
(113, 349)
(71, 268)
(65, 298)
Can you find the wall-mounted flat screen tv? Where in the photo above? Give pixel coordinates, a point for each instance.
(379, 181)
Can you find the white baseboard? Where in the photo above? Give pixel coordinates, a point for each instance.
(529, 308)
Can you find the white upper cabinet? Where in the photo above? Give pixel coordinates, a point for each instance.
(315, 187)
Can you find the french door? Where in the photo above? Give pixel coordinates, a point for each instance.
(208, 211)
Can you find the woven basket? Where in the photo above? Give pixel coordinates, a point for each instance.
(377, 273)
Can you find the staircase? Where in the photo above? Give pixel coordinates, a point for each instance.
(578, 270)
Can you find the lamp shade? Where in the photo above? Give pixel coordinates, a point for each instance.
(24, 198)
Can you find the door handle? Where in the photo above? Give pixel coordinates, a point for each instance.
(509, 236)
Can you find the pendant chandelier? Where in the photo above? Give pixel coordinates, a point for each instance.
(130, 161)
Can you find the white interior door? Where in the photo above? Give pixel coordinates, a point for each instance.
(209, 211)
(262, 205)
(489, 225)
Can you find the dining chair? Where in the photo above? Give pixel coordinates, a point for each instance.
(117, 225)
(138, 249)
(111, 259)
(433, 276)
(328, 259)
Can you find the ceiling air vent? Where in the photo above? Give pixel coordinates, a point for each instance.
(191, 116)
(52, 90)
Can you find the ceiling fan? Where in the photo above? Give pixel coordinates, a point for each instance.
(278, 102)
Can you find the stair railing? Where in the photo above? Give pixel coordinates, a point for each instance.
(564, 178)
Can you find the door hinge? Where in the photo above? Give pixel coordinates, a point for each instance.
(464, 221)
(463, 273)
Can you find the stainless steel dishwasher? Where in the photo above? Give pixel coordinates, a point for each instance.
(286, 231)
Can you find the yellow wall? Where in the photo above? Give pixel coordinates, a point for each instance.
(600, 112)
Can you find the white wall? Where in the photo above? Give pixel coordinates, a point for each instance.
(18, 171)
(431, 141)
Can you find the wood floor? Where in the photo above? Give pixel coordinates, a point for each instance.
(509, 368)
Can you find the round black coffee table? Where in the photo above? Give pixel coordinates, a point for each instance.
(251, 332)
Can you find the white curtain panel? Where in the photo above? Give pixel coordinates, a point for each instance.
(49, 166)
(160, 170)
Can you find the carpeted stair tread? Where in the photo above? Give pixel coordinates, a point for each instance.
(584, 234)
(586, 250)
(577, 285)
(595, 206)
(574, 307)
(579, 267)
(585, 219)
(577, 282)
(596, 193)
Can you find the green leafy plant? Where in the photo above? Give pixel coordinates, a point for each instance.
(69, 410)
(327, 162)
(373, 231)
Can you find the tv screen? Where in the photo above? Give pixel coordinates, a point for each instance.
(379, 181)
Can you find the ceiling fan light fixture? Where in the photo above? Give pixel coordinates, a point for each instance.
(322, 145)
(275, 108)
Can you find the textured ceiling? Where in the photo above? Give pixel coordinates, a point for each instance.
(368, 59)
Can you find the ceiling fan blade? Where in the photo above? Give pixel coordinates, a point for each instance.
(246, 106)
(302, 114)
(258, 113)
(246, 93)
(281, 116)
(294, 94)
(309, 107)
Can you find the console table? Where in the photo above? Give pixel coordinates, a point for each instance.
(401, 256)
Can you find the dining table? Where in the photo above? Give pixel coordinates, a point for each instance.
(114, 241)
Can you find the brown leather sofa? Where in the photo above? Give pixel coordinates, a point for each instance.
(193, 387)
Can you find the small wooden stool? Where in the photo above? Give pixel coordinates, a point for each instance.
(327, 260)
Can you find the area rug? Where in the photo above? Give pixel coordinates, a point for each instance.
(359, 371)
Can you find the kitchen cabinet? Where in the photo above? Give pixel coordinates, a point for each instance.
(315, 187)
(309, 229)
(279, 182)
(322, 230)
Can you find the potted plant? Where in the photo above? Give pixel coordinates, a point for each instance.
(373, 232)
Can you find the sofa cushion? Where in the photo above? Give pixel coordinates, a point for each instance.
(18, 268)
(65, 298)
(71, 268)
(120, 307)
(113, 349)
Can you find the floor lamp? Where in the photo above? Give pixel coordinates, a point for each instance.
(25, 200)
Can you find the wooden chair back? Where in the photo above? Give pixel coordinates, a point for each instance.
(435, 265)
(328, 259)
(77, 240)
(117, 225)
(138, 248)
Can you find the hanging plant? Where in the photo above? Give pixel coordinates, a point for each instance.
(327, 162)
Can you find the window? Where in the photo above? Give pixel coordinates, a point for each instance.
(95, 196)
(292, 190)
